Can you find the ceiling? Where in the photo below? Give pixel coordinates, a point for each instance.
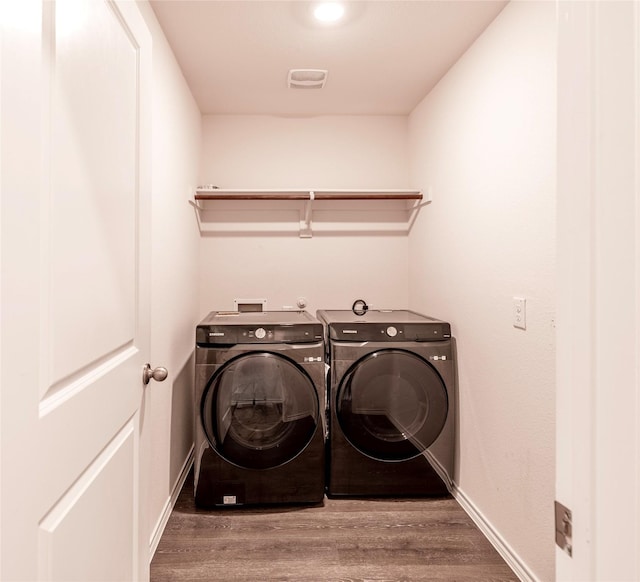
(382, 59)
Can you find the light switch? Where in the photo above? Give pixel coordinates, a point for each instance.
(520, 312)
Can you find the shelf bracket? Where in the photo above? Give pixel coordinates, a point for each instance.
(305, 216)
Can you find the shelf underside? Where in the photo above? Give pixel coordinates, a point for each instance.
(220, 194)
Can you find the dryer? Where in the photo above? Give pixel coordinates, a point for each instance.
(259, 401)
(391, 403)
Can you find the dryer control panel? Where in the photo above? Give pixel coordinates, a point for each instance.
(384, 326)
(391, 333)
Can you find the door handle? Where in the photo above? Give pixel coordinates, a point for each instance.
(158, 374)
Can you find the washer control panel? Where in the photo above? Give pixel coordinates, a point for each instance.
(263, 334)
(264, 327)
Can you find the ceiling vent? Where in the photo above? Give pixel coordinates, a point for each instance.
(306, 78)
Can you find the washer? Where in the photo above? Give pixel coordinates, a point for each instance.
(260, 400)
(391, 403)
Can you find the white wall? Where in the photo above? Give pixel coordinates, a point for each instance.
(484, 141)
(329, 270)
(249, 151)
(167, 436)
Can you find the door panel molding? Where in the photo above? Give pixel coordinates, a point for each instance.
(58, 394)
(77, 524)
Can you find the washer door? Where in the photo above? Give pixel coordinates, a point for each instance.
(391, 405)
(260, 410)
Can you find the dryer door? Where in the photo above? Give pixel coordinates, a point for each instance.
(260, 410)
(391, 405)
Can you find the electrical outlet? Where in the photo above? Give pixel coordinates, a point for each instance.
(520, 312)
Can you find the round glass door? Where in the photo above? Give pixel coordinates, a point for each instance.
(391, 405)
(260, 410)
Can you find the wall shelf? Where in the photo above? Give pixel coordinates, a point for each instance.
(204, 197)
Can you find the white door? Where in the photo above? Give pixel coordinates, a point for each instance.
(75, 296)
(598, 355)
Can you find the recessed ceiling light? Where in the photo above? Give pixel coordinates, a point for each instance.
(329, 11)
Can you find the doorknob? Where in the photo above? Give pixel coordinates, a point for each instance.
(157, 374)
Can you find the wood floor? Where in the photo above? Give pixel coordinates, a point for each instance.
(341, 540)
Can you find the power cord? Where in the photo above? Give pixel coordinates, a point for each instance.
(359, 307)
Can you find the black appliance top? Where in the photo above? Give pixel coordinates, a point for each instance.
(258, 327)
(390, 325)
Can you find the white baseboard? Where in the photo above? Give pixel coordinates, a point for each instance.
(158, 530)
(497, 541)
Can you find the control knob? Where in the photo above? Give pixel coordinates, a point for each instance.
(392, 331)
(260, 333)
